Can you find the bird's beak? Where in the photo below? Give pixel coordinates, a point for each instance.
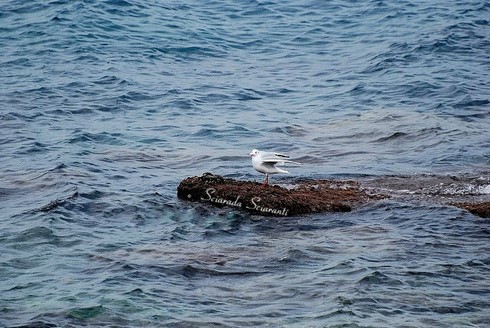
(251, 154)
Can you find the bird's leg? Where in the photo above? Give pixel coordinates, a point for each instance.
(266, 181)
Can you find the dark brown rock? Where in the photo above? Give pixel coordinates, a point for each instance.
(272, 200)
(481, 209)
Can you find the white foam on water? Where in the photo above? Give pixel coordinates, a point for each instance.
(485, 190)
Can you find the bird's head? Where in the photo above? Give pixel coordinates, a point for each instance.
(254, 153)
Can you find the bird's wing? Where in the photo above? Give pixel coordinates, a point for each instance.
(279, 161)
(266, 156)
(276, 158)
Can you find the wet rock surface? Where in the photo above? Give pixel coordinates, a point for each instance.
(481, 209)
(273, 200)
(466, 191)
(315, 196)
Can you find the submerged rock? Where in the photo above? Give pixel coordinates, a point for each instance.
(307, 197)
(481, 209)
(315, 196)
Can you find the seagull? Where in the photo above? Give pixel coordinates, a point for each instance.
(265, 162)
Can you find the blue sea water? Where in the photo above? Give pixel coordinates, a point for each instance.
(105, 106)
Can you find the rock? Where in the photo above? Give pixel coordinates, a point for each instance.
(481, 209)
(307, 197)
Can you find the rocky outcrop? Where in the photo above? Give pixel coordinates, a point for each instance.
(481, 208)
(272, 200)
(315, 196)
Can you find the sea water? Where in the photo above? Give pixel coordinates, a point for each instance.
(105, 106)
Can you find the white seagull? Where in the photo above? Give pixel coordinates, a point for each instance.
(265, 162)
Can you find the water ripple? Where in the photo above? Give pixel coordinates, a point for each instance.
(107, 105)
